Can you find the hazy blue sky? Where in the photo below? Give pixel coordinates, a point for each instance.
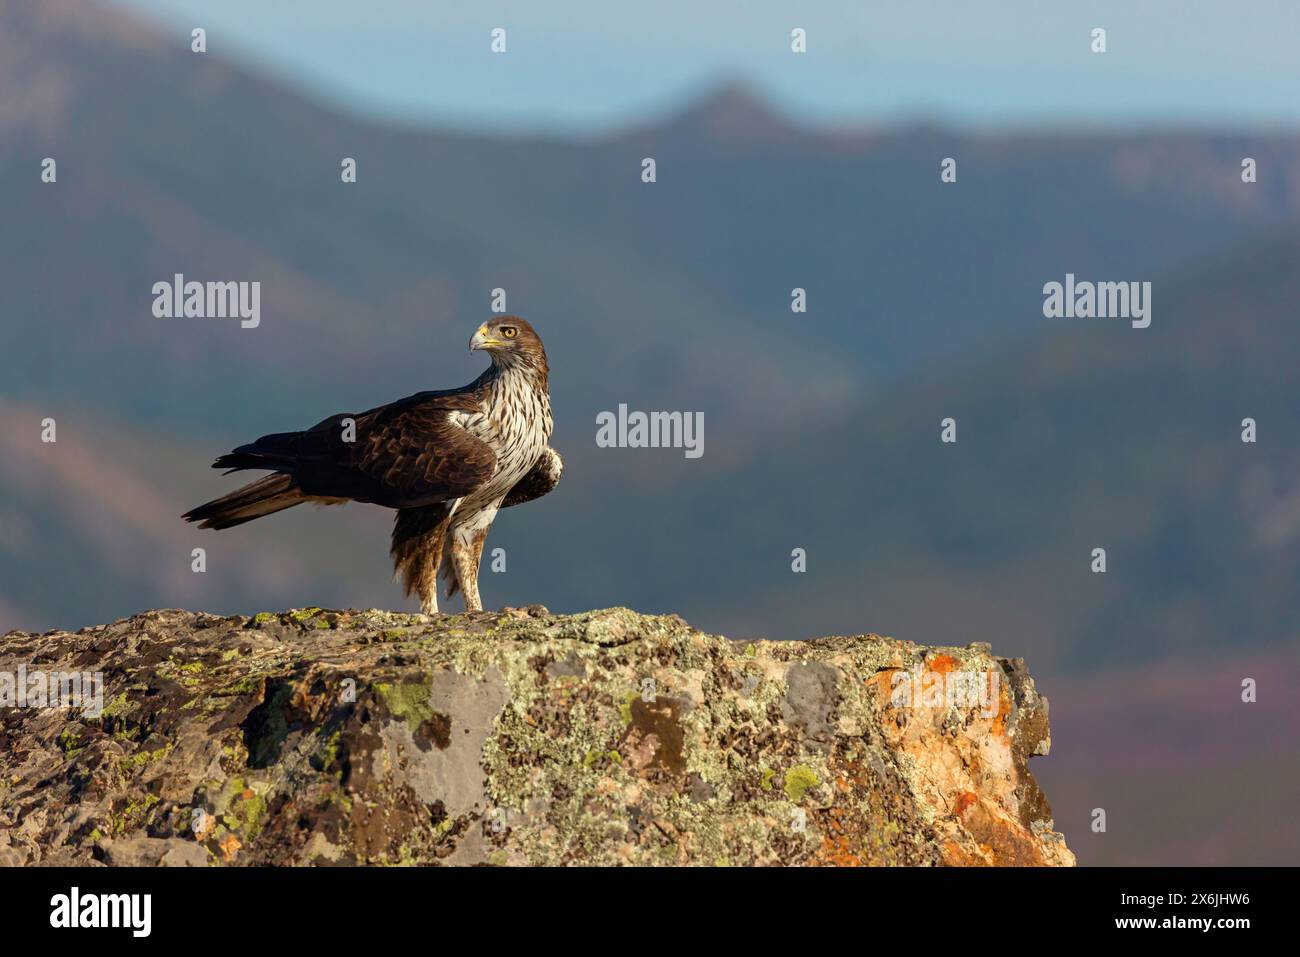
(586, 64)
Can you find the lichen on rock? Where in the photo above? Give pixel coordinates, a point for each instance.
(518, 737)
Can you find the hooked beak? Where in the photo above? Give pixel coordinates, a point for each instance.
(483, 340)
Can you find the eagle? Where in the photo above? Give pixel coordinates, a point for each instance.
(446, 461)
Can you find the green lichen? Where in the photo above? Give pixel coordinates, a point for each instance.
(134, 814)
(117, 707)
(241, 807)
(596, 756)
(766, 782)
(312, 617)
(189, 674)
(329, 753)
(410, 702)
(262, 617)
(69, 739)
(141, 758)
(799, 780)
(625, 707)
(247, 685)
(246, 816)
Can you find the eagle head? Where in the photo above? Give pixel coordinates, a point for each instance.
(508, 339)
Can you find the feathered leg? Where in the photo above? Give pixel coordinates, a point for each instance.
(466, 552)
(419, 538)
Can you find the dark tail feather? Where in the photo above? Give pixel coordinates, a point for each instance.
(235, 461)
(273, 493)
(278, 451)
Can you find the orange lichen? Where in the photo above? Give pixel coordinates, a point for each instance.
(882, 682)
(229, 847)
(1001, 839)
(836, 852)
(957, 856)
(837, 847)
(942, 664)
(964, 800)
(1004, 712)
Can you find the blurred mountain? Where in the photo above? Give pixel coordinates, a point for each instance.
(673, 292)
(1086, 434)
(821, 429)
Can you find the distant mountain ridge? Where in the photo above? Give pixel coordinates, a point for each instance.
(672, 295)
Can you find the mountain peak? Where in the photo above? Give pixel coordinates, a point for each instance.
(732, 110)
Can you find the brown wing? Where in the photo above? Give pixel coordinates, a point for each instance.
(405, 454)
(419, 456)
(541, 478)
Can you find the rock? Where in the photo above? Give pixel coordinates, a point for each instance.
(152, 851)
(517, 737)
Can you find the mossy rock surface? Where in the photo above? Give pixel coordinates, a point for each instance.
(517, 737)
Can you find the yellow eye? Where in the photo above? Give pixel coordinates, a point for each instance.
(509, 332)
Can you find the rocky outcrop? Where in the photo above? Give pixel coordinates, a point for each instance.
(514, 737)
